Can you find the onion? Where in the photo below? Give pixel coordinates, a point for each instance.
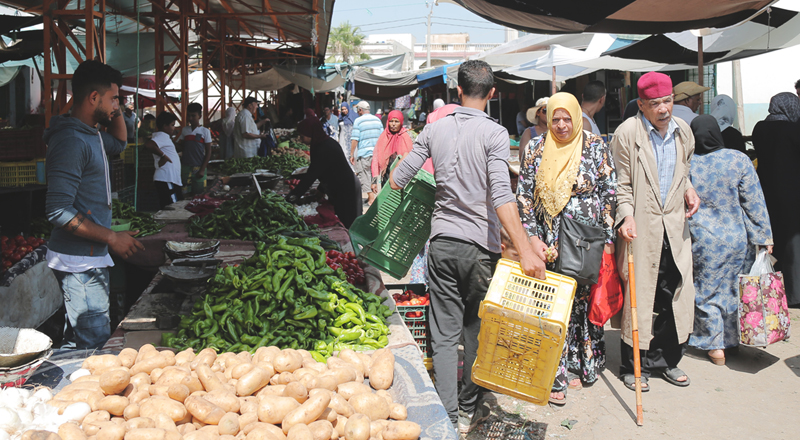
(9, 421)
(41, 395)
(79, 373)
(4, 435)
(12, 398)
(76, 412)
(25, 416)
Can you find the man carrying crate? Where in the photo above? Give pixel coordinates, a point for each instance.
(473, 191)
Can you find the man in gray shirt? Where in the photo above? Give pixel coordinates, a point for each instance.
(473, 198)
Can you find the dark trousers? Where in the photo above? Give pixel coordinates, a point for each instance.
(665, 349)
(459, 273)
(168, 193)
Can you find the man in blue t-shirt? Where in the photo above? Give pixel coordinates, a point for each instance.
(367, 128)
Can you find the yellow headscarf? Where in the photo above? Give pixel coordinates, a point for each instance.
(558, 170)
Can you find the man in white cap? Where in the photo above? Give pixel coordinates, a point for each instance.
(688, 98)
(367, 128)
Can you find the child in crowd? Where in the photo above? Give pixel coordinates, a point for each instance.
(167, 176)
(196, 143)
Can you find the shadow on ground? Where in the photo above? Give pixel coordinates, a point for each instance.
(794, 364)
(502, 425)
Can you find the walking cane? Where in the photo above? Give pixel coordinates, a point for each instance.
(637, 360)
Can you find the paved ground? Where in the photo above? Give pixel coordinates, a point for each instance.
(756, 395)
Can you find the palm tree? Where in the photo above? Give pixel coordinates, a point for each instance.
(345, 41)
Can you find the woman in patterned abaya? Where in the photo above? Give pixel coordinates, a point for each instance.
(569, 171)
(731, 222)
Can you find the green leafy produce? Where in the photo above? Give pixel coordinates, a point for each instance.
(140, 221)
(250, 218)
(284, 164)
(284, 295)
(41, 227)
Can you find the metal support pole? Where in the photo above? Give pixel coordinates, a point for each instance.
(700, 69)
(428, 40)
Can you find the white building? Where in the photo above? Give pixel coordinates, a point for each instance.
(445, 48)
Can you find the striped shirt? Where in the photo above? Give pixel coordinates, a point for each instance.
(366, 130)
(666, 154)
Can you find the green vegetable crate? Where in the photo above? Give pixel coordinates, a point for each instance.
(417, 325)
(397, 226)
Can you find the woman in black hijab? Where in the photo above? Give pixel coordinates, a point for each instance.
(777, 143)
(329, 166)
(730, 224)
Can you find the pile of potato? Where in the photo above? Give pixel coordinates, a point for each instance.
(273, 394)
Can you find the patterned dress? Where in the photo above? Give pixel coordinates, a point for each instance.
(731, 221)
(593, 202)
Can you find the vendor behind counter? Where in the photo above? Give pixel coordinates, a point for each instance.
(331, 168)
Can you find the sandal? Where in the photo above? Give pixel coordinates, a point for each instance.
(630, 382)
(671, 375)
(558, 402)
(717, 360)
(572, 384)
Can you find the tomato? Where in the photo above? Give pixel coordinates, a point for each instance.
(20, 239)
(24, 249)
(3, 239)
(32, 240)
(7, 264)
(8, 253)
(17, 256)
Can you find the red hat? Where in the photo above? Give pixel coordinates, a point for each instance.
(653, 85)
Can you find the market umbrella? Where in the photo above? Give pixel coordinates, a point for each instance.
(613, 16)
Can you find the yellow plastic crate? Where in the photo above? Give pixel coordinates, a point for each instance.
(550, 298)
(17, 173)
(523, 329)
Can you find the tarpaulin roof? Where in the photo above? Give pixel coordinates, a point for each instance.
(775, 30)
(9, 23)
(435, 76)
(121, 55)
(393, 63)
(27, 45)
(304, 24)
(381, 87)
(614, 16)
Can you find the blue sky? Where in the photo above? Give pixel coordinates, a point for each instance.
(410, 16)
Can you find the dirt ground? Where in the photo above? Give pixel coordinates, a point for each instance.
(754, 396)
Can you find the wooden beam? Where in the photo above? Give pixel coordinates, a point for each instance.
(268, 7)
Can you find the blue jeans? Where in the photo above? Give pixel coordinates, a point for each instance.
(86, 299)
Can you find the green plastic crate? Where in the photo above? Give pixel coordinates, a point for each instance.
(397, 226)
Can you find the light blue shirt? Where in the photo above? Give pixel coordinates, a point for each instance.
(366, 130)
(666, 154)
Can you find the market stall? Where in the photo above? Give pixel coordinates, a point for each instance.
(175, 311)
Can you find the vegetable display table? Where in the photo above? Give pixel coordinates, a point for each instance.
(412, 386)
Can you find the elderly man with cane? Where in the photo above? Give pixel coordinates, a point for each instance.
(654, 198)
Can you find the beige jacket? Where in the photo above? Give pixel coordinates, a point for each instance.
(638, 195)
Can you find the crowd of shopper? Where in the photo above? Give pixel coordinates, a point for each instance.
(673, 186)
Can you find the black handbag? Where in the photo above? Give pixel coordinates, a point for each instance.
(580, 251)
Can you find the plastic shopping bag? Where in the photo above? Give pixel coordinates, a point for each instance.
(763, 311)
(606, 297)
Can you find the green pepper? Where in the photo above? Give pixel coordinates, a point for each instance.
(344, 319)
(214, 328)
(276, 279)
(358, 309)
(285, 285)
(307, 313)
